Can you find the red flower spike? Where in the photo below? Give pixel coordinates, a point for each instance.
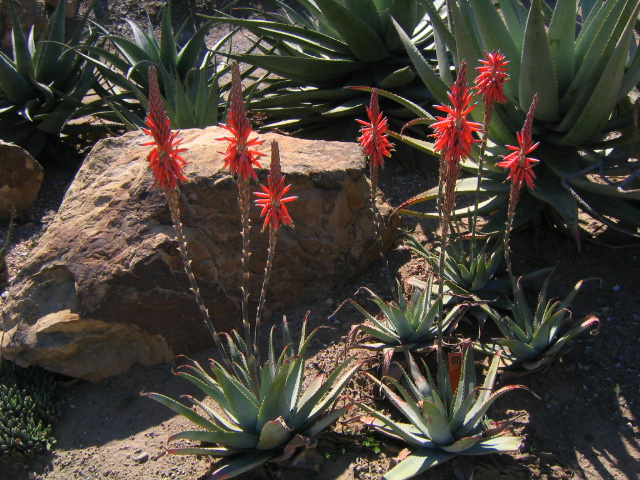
(517, 162)
(164, 160)
(272, 199)
(374, 141)
(491, 78)
(454, 133)
(240, 159)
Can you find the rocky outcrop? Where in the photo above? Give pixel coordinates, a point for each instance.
(105, 287)
(20, 179)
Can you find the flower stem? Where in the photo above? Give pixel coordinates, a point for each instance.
(174, 208)
(378, 224)
(442, 174)
(488, 113)
(244, 199)
(514, 195)
(273, 238)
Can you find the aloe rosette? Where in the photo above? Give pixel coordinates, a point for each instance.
(410, 324)
(582, 61)
(532, 340)
(259, 407)
(189, 75)
(468, 272)
(318, 50)
(441, 423)
(43, 84)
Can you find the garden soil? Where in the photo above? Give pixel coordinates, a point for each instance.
(579, 418)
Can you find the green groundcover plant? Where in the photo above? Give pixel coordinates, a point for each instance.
(29, 405)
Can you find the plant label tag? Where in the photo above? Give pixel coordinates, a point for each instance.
(455, 368)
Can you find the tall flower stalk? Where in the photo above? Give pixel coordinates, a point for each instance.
(489, 83)
(375, 146)
(241, 160)
(274, 211)
(520, 172)
(454, 139)
(167, 164)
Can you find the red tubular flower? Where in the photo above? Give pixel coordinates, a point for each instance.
(491, 78)
(454, 133)
(517, 162)
(239, 157)
(272, 199)
(165, 160)
(374, 141)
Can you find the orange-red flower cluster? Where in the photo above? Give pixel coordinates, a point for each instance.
(239, 157)
(272, 199)
(374, 141)
(454, 133)
(493, 75)
(521, 167)
(165, 160)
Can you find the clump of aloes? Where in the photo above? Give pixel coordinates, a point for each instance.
(530, 339)
(265, 409)
(469, 268)
(445, 418)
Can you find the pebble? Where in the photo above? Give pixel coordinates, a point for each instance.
(616, 288)
(329, 302)
(143, 457)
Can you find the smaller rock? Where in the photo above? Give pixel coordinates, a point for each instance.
(616, 288)
(143, 457)
(20, 179)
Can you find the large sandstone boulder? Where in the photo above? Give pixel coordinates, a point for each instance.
(20, 179)
(105, 287)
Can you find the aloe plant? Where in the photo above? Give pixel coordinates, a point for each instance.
(189, 75)
(471, 272)
(259, 407)
(409, 325)
(441, 423)
(331, 45)
(43, 84)
(532, 340)
(583, 66)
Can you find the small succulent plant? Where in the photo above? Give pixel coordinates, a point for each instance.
(28, 408)
(443, 422)
(469, 271)
(260, 407)
(410, 324)
(534, 339)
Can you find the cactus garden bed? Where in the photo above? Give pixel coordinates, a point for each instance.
(577, 414)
